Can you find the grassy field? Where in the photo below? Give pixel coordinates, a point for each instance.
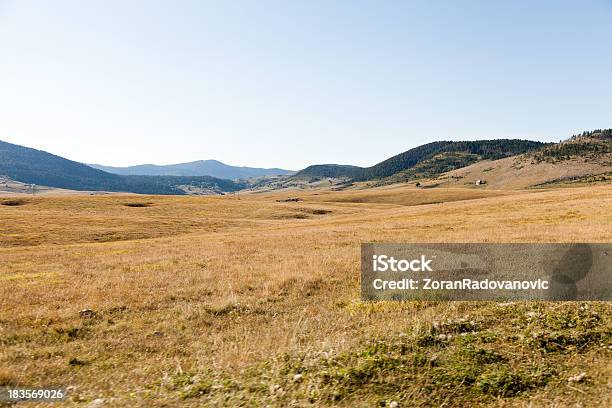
(227, 301)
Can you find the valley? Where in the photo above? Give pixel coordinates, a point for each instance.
(246, 300)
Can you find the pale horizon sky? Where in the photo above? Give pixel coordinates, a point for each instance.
(293, 83)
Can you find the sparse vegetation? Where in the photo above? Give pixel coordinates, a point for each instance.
(479, 360)
(578, 181)
(586, 146)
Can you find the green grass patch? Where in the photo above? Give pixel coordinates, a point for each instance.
(506, 352)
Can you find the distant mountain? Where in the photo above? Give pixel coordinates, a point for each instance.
(38, 167)
(211, 168)
(431, 159)
(594, 148)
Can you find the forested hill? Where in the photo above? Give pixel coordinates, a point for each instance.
(39, 167)
(464, 154)
(331, 170)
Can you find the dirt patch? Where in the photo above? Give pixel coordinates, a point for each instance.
(299, 213)
(430, 185)
(138, 205)
(289, 216)
(13, 203)
(314, 211)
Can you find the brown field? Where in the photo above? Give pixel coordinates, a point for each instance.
(228, 301)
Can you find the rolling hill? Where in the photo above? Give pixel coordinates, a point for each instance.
(211, 168)
(430, 159)
(503, 163)
(33, 166)
(584, 158)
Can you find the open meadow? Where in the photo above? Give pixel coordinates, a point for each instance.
(245, 300)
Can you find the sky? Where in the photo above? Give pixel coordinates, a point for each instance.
(292, 83)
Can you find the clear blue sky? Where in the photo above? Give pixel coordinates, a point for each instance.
(293, 83)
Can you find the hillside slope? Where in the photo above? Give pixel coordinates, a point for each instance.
(585, 158)
(211, 168)
(463, 154)
(38, 167)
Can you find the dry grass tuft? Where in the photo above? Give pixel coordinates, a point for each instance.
(7, 378)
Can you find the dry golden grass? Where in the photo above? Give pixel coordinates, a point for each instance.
(520, 172)
(186, 288)
(401, 194)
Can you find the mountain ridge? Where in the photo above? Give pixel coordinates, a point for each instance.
(428, 161)
(210, 167)
(34, 166)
